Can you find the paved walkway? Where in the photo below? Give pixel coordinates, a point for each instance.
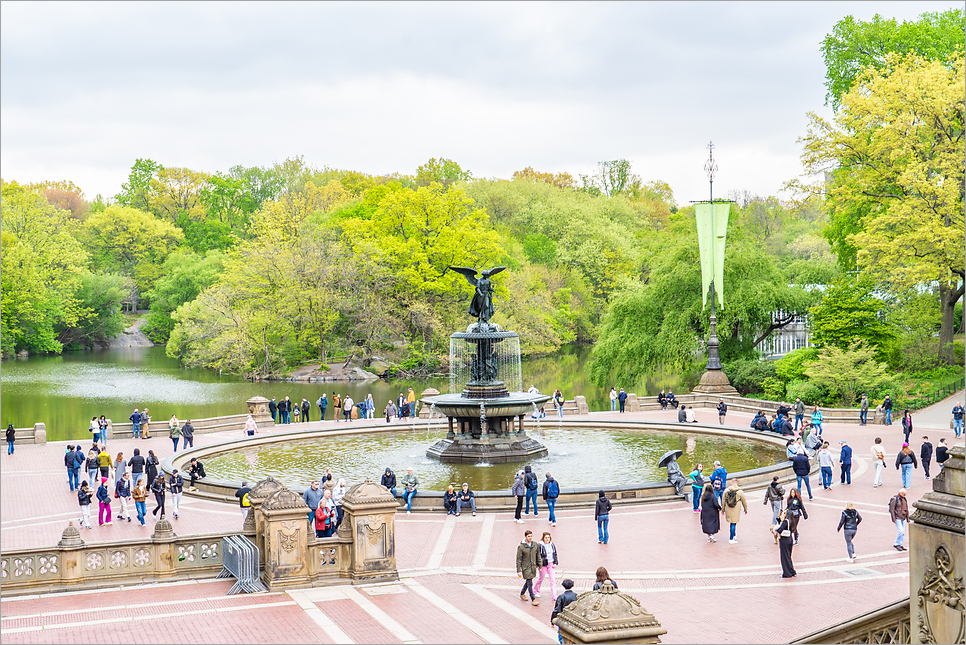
(457, 579)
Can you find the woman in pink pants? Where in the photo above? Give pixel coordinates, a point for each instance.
(548, 562)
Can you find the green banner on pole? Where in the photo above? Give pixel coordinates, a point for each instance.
(712, 220)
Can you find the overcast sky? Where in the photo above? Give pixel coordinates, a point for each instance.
(87, 88)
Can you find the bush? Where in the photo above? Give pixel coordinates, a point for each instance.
(810, 393)
(747, 376)
(791, 366)
(773, 388)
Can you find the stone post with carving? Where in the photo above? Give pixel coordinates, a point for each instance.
(258, 408)
(254, 521)
(607, 616)
(937, 557)
(370, 512)
(285, 533)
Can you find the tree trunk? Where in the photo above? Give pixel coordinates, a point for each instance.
(948, 297)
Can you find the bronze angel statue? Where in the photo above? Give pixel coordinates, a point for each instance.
(481, 307)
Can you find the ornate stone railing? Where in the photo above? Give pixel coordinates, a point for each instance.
(889, 624)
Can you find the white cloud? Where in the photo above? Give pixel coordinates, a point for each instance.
(380, 87)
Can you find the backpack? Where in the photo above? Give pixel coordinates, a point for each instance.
(531, 481)
(553, 489)
(717, 483)
(245, 501)
(731, 498)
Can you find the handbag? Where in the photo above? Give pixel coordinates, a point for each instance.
(785, 533)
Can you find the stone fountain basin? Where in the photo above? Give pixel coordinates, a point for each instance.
(455, 405)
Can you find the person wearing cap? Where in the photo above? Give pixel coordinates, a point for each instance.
(905, 462)
(958, 418)
(465, 498)
(845, 459)
(188, 435)
(136, 422)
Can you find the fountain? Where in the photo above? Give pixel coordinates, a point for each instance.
(486, 419)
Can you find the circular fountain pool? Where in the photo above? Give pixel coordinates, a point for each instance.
(578, 457)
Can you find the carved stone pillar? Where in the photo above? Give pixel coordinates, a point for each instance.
(259, 493)
(370, 512)
(285, 534)
(607, 616)
(258, 408)
(937, 557)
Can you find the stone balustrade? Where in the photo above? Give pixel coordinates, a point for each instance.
(36, 434)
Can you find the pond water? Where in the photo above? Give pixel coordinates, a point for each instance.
(577, 457)
(66, 391)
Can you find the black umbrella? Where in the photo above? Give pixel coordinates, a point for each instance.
(666, 459)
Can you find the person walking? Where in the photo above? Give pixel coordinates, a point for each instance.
(845, 460)
(104, 462)
(73, 468)
(864, 410)
(942, 452)
(122, 490)
(817, 421)
(722, 411)
(887, 408)
(558, 402)
(551, 490)
(786, 528)
(906, 425)
(799, 413)
(958, 419)
(104, 504)
(389, 481)
(795, 507)
(92, 466)
(564, 599)
(410, 487)
(174, 431)
(801, 466)
(530, 481)
(878, 461)
(697, 485)
(135, 424)
(158, 488)
(528, 554)
(151, 464)
(244, 503)
(548, 562)
(137, 464)
(11, 436)
(732, 497)
(188, 435)
(602, 510)
(825, 463)
(925, 454)
(905, 462)
(519, 490)
(899, 512)
(710, 513)
(84, 500)
(850, 521)
(140, 496)
(176, 486)
(774, 494)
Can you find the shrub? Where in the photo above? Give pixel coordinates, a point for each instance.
(810, 393)
(747, 375)
(791, 366)
(773, 388)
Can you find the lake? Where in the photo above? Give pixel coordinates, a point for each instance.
(66, 391)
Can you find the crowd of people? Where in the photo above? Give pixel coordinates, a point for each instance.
(343, 408)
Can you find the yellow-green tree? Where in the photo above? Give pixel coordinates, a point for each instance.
(895, 158)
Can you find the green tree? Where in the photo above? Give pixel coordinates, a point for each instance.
(99, 297)
(895, 152)
(611, 178)
(855, 45)
(850, 311)
(444, 172)
(185, 276)
(138, 191)
(846, 373)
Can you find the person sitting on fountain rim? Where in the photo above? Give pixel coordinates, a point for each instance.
(682, 416)
(450, 501)
(466, 497)
(671, 400)
(662, 400)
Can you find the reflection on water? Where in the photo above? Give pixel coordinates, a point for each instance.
(66, 391)
(577, 457)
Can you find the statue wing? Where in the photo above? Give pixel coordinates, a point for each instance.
(494, 271)
(468, 273)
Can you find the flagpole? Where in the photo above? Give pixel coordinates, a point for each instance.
(714, 361)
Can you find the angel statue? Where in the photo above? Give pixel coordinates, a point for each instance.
(482, 305)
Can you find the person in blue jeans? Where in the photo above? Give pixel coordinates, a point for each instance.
(887, 407)
(530, 481)
(551, 490)
(845, 459)
(801, 467)
(11, 437)
(958, 418)
(410, 483)
(697, 485)
(136, 423)
(602, 515)
(825, 462)
(905, 462)
(613, 399)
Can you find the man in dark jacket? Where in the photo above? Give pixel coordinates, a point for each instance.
(137, 466)
(564, 599)
(188, 434)
(887, 406)
(528, 554)
(801, 467)
(551, 490)
(845, 460)
(682, 415)
(389, 481)
(73, 468)
(196, 471)
(305, 410)
(11, 437)
(783, 409)
(622, 398)
(465, 497)
(136, 423)
(273, 409)
(322, 403)
(899, 512)
(942, 452)
(925, 454)
(722, 411)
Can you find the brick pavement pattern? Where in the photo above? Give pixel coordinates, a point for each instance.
(457, 587)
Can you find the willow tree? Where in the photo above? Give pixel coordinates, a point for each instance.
(658, 321)
(894, 158)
